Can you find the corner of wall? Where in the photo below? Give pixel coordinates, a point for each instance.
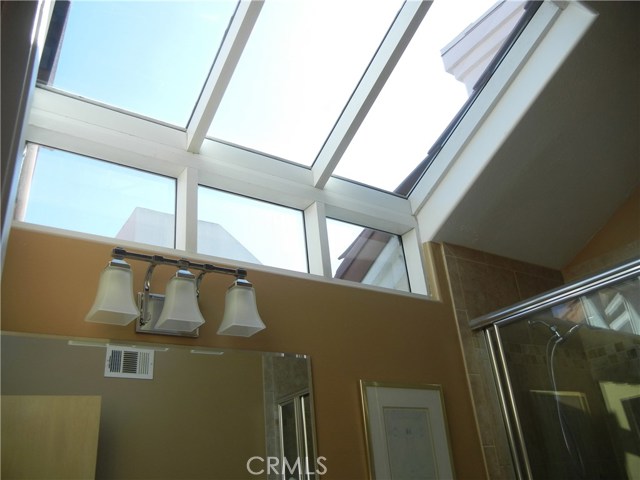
(432, 254)
(616, 242)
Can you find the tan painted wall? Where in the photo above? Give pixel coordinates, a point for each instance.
(616, 242)
(49, 283)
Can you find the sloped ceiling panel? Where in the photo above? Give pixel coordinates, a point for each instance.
(572, 160)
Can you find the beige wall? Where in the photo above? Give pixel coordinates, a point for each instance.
(49, 283)
(616, 242)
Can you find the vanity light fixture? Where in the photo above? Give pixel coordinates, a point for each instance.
(176, 312)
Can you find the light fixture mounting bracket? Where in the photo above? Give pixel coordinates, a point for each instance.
(150, 305)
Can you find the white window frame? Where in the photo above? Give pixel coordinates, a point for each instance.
(64, 121)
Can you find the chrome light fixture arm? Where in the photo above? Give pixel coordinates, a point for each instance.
(121, 253)
(144, 301)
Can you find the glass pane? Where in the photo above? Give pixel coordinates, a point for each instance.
(420, 98)
(148, 57)
(299, 68)
(366, 255)
(83, 194)
(289, 432)
(574, 376)
(241, 228)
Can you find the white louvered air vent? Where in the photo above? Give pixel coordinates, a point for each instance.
(128, 362)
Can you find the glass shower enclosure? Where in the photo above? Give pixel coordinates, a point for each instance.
(567, 369)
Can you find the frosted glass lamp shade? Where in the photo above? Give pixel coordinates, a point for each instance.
(241, 317)
(180, 312)
(114, 303)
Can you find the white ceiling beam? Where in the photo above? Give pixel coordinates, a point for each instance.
(221, 72)
(63, 105)
(374, 78)
(67, 123)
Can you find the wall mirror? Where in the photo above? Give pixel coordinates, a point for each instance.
(170, 411)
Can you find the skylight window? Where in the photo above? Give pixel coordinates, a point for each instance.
(301, 64)
(150, 58)
(345, 88)
(420, 97)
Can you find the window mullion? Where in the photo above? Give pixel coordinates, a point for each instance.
(225, 63)
(415, 262)
(187, 210)
(367, 91)
(317, 239)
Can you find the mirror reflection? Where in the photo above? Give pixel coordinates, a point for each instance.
(164, 411)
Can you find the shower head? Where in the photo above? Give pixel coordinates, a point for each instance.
(553, 328)
(569, 332)
(559, 338)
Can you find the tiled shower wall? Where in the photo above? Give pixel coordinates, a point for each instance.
(481, 283)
